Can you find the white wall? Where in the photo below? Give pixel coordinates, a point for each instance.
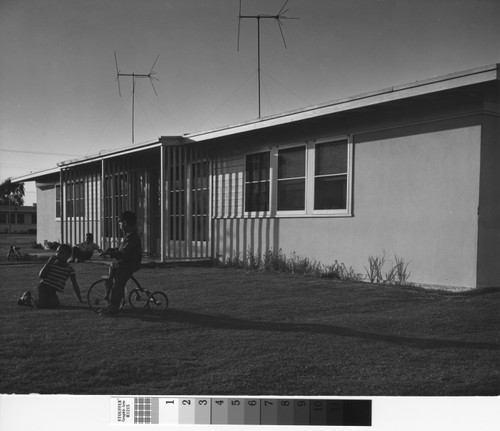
(414, 196)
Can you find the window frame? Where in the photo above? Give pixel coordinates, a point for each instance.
(281, 213)
(74, 199)
(347, 211)
(58, 199)
(269, 210)
(310, 177)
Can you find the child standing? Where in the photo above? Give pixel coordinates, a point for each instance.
(126, 260)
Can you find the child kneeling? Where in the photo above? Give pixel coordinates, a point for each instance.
(53, 277)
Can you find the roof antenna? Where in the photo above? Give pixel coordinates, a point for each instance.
(279, 17)
(151, 77)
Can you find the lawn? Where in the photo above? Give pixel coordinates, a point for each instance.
(237, 332)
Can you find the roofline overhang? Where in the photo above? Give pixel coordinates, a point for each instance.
(428, 86)
(35, 175)
(107, 154)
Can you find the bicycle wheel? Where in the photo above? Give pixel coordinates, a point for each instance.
(138, 298)
(96, 294)
(158, 302)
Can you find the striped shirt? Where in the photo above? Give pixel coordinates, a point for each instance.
(57, 275)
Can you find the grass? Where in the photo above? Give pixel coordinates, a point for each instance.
(239, 332)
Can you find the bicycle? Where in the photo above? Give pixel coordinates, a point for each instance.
(14, 253)
(156, 302)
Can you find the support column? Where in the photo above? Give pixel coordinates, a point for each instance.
(162, 203)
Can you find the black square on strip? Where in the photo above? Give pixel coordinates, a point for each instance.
(357, 412)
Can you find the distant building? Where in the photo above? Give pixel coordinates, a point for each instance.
(18, 219)
(412, 170)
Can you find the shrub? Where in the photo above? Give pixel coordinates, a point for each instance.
(276, 260)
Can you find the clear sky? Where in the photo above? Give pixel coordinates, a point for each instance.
(59, 96)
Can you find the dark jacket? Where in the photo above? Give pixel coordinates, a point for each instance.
(129, 255)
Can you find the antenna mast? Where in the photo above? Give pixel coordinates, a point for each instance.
(278, 18)
(134, 76)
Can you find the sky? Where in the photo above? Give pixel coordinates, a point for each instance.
(59, 97)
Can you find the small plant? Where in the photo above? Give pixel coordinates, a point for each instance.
(253, 260)
(374, 272)
(401, 270)
(275, 260)
(340, 272)
(398, 274)
(234, 261)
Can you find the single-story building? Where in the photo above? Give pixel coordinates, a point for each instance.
(412, 171)
(17, 219)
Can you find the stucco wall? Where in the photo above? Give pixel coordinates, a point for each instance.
(415, 196)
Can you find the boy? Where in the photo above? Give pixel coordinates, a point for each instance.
(53, 276)
(84, 250)
(126, 260)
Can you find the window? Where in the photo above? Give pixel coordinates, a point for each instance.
(313, 178)
(20, 218)
(200, 172)
(178, 202)
(330, 176)
(58, 201)
(33, 218)
(3, 218)
(291, 179)
(257, 174)
(75, 202)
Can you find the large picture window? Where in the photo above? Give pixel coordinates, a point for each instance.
(257, 174)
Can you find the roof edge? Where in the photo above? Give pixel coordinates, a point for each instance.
(491, 72)
(34, 175)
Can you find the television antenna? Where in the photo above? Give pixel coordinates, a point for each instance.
(279, 17)
(150, 76)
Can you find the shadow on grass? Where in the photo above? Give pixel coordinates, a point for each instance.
(232, 323)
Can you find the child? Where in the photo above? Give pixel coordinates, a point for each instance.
(126, 260)
(53, 278)
(84, 250)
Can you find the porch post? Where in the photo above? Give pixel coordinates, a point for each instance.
(162, 202)
(102, 201)
(61, 209)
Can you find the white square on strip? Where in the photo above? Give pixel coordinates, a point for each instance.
(168, 410)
